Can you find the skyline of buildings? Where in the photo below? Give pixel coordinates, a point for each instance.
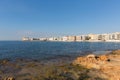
(89, 37)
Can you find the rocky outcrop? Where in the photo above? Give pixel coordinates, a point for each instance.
(108, 64)
(91, 61)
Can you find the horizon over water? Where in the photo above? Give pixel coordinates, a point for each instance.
(48, 50)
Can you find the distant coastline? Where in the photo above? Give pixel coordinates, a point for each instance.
(106, 37)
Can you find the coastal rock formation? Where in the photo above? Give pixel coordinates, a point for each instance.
(90, 60)
(108, 64)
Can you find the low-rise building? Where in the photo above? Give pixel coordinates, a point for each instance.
(43, 39)
(65, 38)
(59, 39)
(51, 39)
(25, 38)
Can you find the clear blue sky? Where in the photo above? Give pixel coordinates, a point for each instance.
(47, 18)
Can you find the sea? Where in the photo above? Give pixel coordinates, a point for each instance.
(48, 50)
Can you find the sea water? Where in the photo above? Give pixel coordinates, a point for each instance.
(45, 50)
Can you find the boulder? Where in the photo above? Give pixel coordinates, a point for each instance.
(9, 78)
(103, 58)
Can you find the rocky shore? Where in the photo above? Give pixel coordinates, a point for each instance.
(89, 67)
(108, 66)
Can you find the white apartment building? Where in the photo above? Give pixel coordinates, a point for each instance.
(50, 39)
(42, 39)
(59, 39)
(65, 38)
(114, 36)
(83, 37)
(93, 36)
(103, 37)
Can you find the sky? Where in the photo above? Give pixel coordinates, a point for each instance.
(47, 18)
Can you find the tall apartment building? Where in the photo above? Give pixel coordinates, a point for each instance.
(78, 38)
(103, 37)
(71, 38)
(118, 36)
(92, 36)
(114, 36)
(83, 37)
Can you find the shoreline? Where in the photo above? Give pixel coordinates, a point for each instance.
(22, 69)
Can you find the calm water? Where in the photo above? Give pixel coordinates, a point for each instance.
(44, 50)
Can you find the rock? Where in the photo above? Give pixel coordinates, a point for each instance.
(9, 78)
(91, 56)
(103, 58)
(5, 61)
(116, 52)
(91, 61)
